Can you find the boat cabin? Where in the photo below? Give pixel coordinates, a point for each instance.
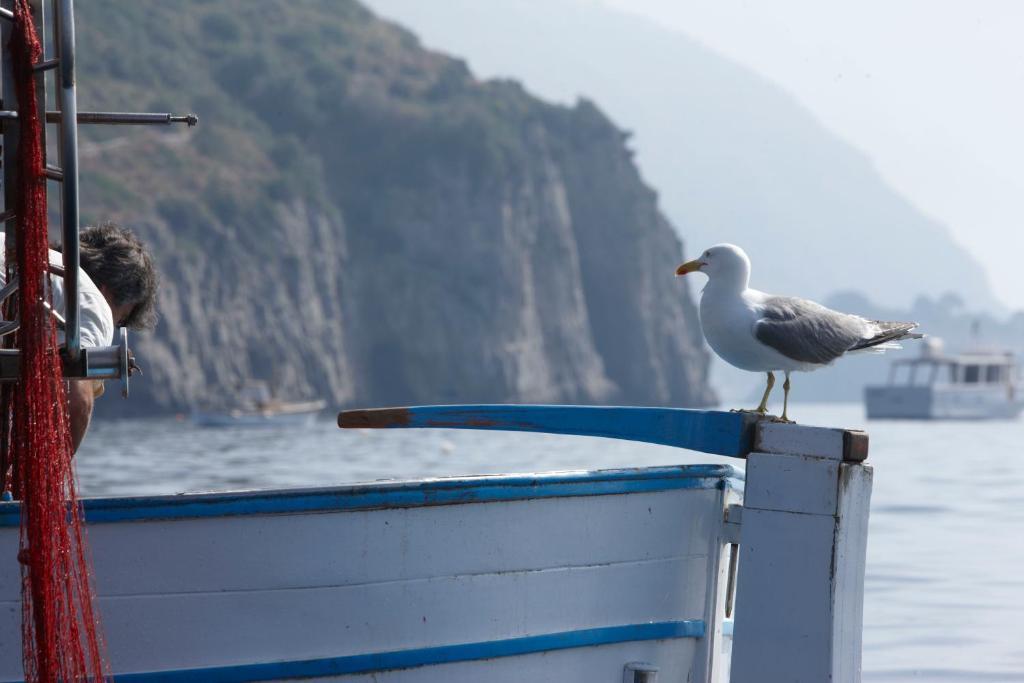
(975, 384)
(975, 368)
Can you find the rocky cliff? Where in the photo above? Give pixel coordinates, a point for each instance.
(360, 219)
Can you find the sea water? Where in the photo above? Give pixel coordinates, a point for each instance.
(945, 576)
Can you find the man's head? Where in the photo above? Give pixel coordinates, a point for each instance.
(122, 268)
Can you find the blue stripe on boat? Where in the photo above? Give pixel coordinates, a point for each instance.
(446, 491)
(404, 659)
(721, 433)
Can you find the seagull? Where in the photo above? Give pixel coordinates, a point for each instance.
(762, 332)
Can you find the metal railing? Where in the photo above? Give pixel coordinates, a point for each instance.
(55, 25)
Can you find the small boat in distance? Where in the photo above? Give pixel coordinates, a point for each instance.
(256, 406)
(974, 385)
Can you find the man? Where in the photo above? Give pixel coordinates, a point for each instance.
(117, 287)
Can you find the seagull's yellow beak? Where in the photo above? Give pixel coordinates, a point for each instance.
(690, 266)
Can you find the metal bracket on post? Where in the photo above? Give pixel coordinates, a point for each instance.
(732, 524)
(800, 587)
(104, 362)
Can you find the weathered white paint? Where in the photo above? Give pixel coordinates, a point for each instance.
(303, 550)
(795, 439)
(801, 571)
(782, 630)
(806, 484)
(714, 665)
(222, 591)
(851, 554)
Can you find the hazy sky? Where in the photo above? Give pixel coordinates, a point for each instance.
(932, 90)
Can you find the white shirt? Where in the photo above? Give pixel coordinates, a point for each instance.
(95, 317)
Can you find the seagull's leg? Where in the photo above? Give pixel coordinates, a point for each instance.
(762, 408)
(785, 399)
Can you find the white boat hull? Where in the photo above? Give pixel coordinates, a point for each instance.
(502, 579)
(942, 402)
(254, 419)
(554, 577)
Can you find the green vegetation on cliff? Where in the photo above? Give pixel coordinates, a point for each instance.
(361, 219)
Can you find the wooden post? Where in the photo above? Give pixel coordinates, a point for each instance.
(800, 590)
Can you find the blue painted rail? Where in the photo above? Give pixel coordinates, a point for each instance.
(400, 494)
(713, 432)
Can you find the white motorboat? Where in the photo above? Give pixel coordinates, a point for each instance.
(256, 406)
(978, 384)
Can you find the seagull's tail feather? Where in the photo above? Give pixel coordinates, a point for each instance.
(886, 335)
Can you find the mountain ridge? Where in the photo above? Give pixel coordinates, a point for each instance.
(734, 157)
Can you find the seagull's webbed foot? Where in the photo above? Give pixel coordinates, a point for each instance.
(781, 419)
(750, 411)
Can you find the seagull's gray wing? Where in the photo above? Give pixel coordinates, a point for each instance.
(807, 332)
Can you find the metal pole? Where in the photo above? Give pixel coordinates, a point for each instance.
(11, 130)
(127, 118)
(64, 42)
(124, 118)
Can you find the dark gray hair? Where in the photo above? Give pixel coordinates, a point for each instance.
(115, 259)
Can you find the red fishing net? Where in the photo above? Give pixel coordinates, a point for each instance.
(60, 638)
